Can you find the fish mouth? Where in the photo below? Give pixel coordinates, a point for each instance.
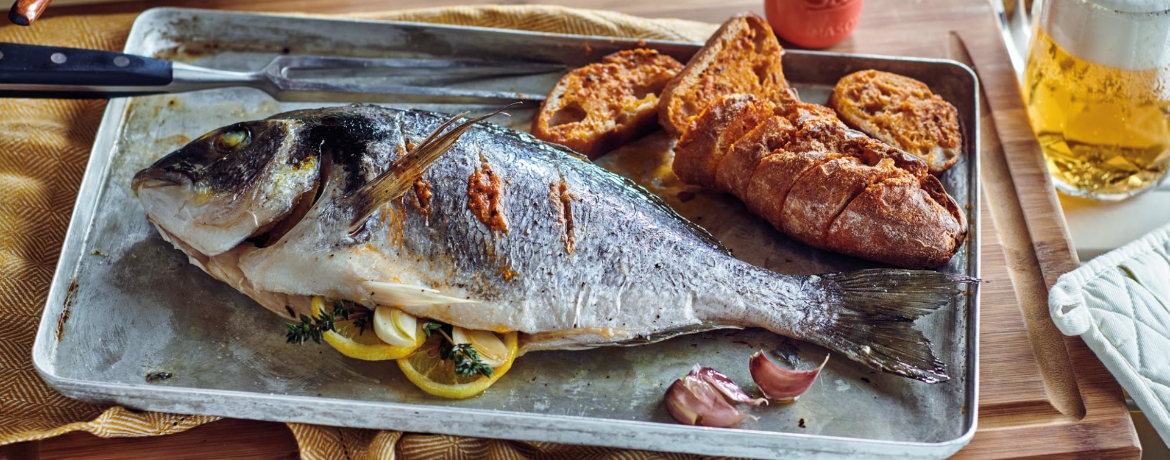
(201, 220)
(158, 177)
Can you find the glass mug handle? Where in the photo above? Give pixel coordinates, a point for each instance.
(1015, 21)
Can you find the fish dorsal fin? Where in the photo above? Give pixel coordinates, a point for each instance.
(401, 175)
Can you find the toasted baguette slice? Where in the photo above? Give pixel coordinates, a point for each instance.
(742, 57)
(902, 112)
(599, 107)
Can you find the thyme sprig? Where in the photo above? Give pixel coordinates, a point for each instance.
(467, 361)
(314, 327)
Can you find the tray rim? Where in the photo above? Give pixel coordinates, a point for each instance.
(174, 399)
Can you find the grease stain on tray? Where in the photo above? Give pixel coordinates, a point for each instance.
(156, 377)
(68, 303)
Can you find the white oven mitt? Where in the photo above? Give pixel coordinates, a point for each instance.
(1119, 303)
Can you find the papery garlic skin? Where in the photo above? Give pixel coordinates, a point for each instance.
(693, 401)
(725, 385)
(706, 397)
(778, 383)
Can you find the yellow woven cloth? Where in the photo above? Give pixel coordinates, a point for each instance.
(44, 146)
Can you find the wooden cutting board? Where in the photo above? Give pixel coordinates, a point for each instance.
(1041, 394)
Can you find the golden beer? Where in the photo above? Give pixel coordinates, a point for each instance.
(1105, 130)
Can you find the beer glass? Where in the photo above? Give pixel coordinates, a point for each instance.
(1097, 87)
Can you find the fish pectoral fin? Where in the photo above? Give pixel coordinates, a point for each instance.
(398, 294)
(401, 175)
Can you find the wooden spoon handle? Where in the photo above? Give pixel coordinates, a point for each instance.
(24, 12)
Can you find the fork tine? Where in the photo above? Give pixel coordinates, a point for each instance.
(283, 63)
(290, 89)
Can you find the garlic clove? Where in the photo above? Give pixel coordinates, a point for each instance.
(725, 385)
(693, 401)
(406, 323)
(388, 331)
(487, 344)
(683, 404)
(778, 383)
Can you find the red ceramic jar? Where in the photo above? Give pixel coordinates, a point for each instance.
(813, 23)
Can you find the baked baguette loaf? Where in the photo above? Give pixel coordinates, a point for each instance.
(599, 107)
(902, 112)
(822, 183)
(742, 57)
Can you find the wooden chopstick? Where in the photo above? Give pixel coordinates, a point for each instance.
(24, 12)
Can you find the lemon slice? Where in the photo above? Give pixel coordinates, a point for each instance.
(364, 345)
(436, 376)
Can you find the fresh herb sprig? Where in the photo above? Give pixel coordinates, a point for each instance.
(430, 327)
(314, 327)
(467, 361)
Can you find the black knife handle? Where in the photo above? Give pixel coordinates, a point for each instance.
(54, 65)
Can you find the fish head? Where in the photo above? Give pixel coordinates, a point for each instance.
(230, 184)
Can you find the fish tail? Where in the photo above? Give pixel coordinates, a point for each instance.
(401, 175)
(872, 318)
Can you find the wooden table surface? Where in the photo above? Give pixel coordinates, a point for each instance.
(1034, 402)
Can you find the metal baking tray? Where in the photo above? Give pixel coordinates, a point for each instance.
(128, 321)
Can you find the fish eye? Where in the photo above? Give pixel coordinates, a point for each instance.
(233, 140)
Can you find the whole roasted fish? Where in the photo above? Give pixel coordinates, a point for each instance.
(487, 228)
